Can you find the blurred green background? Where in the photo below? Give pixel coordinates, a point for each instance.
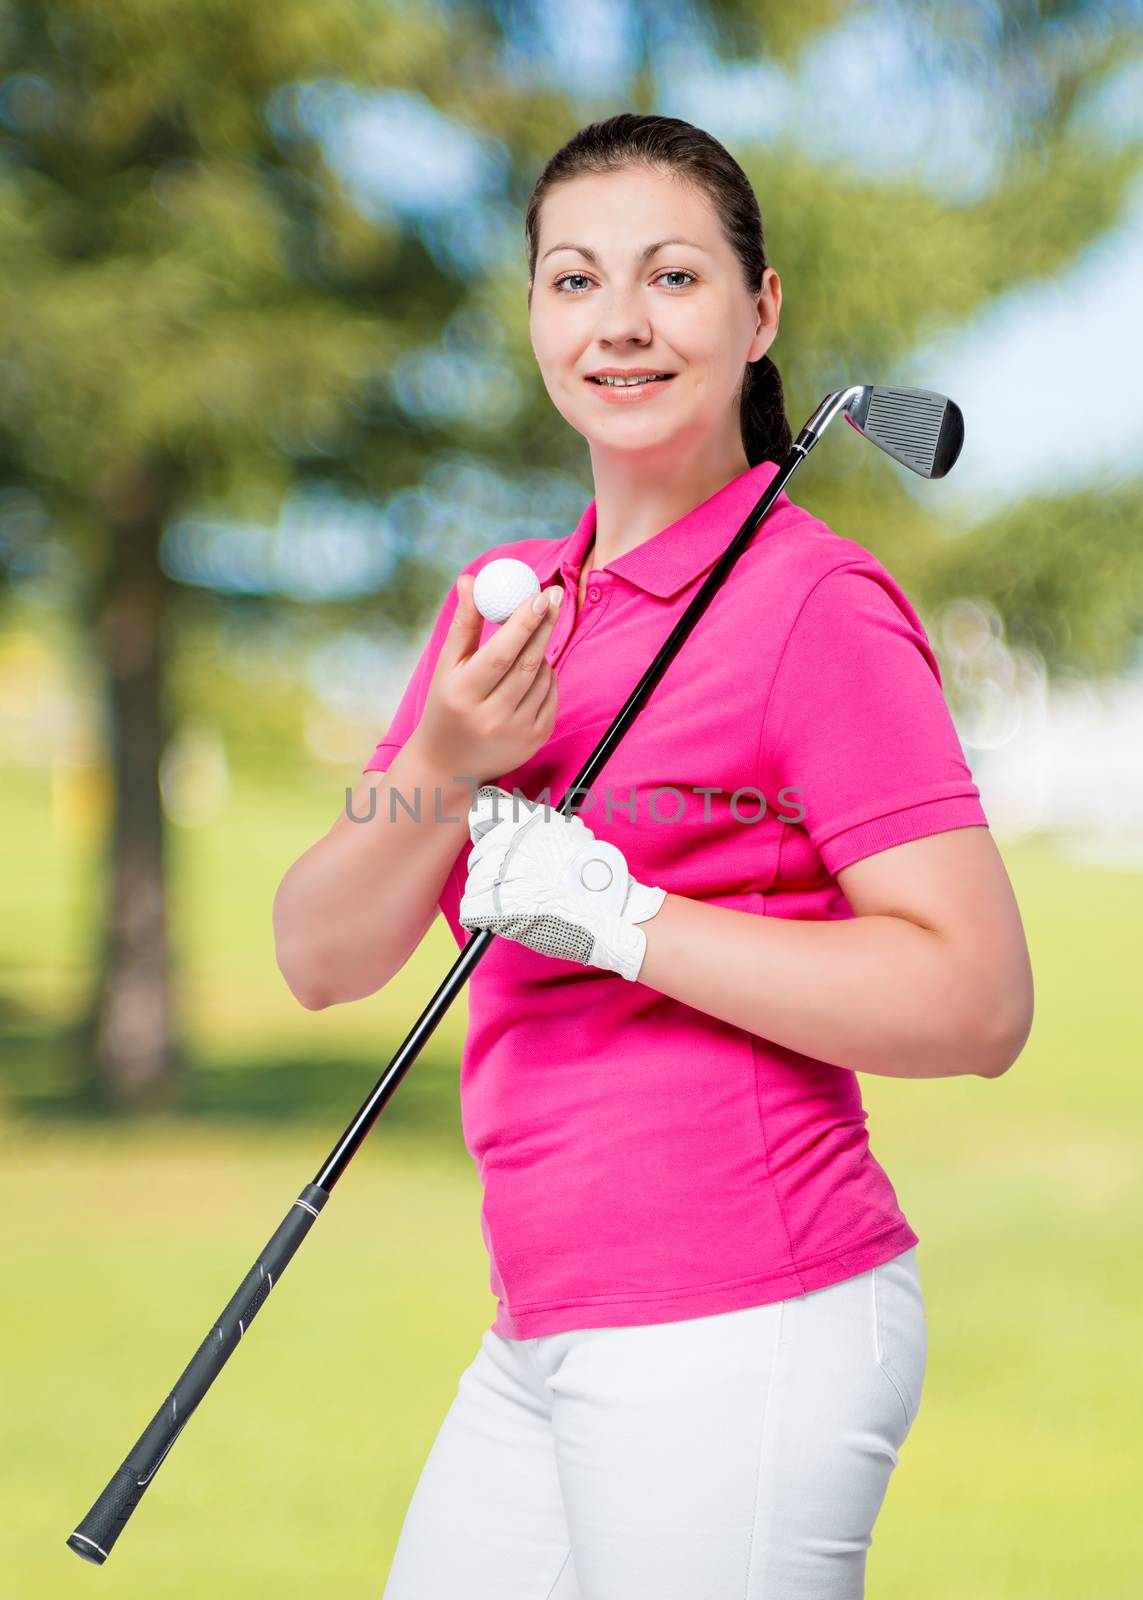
(265, 386)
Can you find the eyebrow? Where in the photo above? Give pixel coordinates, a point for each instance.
(594, 259)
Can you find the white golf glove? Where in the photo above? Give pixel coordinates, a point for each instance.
(545, 880)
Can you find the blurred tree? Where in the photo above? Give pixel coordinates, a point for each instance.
(190, 311)
(1065, 574)
(198, 310)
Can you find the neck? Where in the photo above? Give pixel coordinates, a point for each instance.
(638, 494)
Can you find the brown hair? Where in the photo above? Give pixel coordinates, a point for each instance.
(679, 147)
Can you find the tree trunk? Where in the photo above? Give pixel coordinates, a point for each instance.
(133, 1060)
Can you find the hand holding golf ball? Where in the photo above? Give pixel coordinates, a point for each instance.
(491, 706)
(544, 880)
(503, 585)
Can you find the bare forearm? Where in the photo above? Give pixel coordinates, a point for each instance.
(349, 912)
(877, 994)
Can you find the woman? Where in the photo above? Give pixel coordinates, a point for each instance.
(710, 1336)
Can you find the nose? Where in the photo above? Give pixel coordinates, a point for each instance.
(623, 319)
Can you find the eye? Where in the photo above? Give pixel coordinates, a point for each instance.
(677, 272)
(667, 272)
(568, 275)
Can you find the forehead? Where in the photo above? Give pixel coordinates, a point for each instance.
(625, 210)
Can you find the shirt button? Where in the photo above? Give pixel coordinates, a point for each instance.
(594, 592)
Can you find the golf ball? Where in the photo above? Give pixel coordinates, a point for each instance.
(503, 585)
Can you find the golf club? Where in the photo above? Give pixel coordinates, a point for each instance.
(917, 427)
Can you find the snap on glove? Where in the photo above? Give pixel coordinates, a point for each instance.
(544, 880)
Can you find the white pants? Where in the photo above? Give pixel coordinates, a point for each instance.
(742, 1456)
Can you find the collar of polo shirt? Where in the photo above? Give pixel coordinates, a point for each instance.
(679, 553)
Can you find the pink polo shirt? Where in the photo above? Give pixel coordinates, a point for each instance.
(641, 1160)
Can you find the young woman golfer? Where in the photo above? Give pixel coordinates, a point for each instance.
(710, 1338)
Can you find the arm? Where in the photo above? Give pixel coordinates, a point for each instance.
(349, 912)
(352, 909)
(929, 979)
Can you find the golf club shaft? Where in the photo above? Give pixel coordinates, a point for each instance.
(97, 1532)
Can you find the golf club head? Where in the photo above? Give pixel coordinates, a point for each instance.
(918, 427)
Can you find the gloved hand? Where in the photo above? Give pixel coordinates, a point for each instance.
(544, 880)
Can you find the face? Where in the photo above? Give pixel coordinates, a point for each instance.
(598, 301)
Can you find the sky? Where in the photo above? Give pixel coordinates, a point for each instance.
(1048, 378)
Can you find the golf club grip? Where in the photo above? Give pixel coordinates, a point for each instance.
(98, 1531)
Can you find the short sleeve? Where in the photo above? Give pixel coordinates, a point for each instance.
(409, 708)
(856, 729)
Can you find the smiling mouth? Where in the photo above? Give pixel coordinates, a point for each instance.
(630, 383)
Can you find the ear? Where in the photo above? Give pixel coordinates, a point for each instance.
(767, 308)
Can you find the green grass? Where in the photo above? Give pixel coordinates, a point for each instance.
(124, 1243)
(293, 1473)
